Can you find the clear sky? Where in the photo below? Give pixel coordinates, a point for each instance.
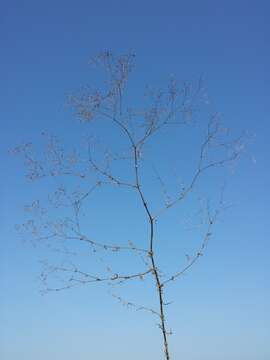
(221, 309)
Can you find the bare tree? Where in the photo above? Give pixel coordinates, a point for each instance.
(124, 163)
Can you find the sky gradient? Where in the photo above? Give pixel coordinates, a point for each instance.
(221, 308)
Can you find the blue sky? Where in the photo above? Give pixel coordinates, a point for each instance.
(221, 308)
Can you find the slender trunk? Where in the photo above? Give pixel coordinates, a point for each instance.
(160, 299)
(158, 283)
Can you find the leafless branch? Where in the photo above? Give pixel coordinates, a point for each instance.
(170, 108)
